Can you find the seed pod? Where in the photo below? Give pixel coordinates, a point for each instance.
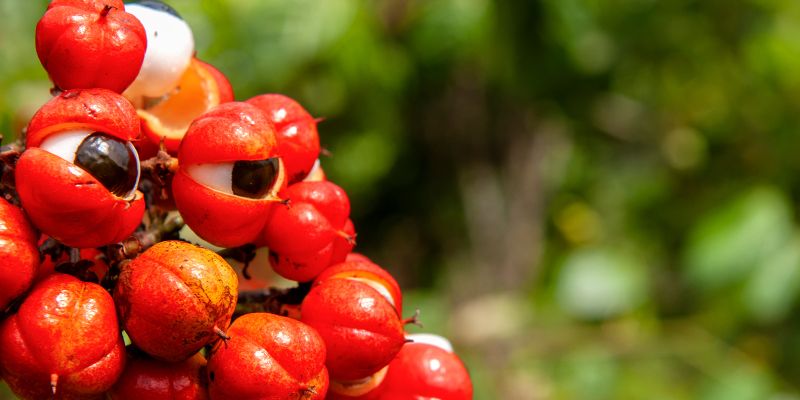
(423, 370)
(229, 175)
(146, 378)
(77, 179)
(19, 255)
(175, 298)
(356, 313)
(64, 338)
(90, 44)
(268, 357)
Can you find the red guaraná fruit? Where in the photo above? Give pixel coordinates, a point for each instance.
(175, 298)
(146, 378)
(90, 44)
(19, 255)
(302, 236)
(268, 357)
(77, 179)
(298, 140)
(64, 339)
(355, 308)
(422, 370)
(229, 174)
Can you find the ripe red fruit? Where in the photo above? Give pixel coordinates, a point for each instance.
(90, 44)
(268, 357)
(65, 337)
(355, 310)
(302, 267)
(146, 378)
(303, 235)
(77, 178)
(19, 255)
(423, 370)
(175, 298)
(342, 246)
(298, 140)
(229, 174)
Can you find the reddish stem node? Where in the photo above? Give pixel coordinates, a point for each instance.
(104, 12)
(414, 319)
(225, 338)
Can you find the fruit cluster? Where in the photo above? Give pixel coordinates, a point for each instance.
(139, 139)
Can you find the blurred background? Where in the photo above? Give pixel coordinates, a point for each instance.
(592, 199)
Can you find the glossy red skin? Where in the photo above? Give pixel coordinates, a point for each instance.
(229, 132)
(146, 378)
(81, 48)
(19, 253)
(360, 267)
(297, 228)
(64, 327)
(93, 109)
(361, 328)
(422, 370)
(171, 297)
(330, 199)
(302, 267)
(63, 200)
(298, 140)
(69, 204)
(268, 357)
(341, 246)
(223, 84)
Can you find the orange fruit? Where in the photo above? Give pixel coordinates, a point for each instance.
(201, 88)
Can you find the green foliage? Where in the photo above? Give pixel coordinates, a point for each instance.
(617, 178)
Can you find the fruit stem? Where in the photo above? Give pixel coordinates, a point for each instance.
(225, 338)
(106, 10)
(414, 319)
(350, 238)
(53, 383)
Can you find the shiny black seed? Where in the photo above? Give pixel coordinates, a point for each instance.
(110, 160)
(254, 179)
(158, 5)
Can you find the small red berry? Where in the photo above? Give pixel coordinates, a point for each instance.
(298, 140)
(90, 44)
(175, 298)
(19, 255)
(65, 339)
(268, 357)
(358, 319)
(146, 378)
(78, 177)
(229, 174)
(422, 370)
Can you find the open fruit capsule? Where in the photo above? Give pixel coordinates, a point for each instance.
(78, 177)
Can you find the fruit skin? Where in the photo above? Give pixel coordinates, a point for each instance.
(230, 132)
(82, 45)
(304, 234)
(64, 327)
(361, 328)
(19, 254)
(423, 370)
(223, 84)
(215, 89)
(365, 271)
(172, 297)
(268, 357)
(298, 140)
(146, 378)
(63, 200)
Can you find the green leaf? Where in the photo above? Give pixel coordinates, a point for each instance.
(731, 240)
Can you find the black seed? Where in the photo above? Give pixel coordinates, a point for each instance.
(110, 161)
(211, 375)
(254, 179)
(158, 5)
